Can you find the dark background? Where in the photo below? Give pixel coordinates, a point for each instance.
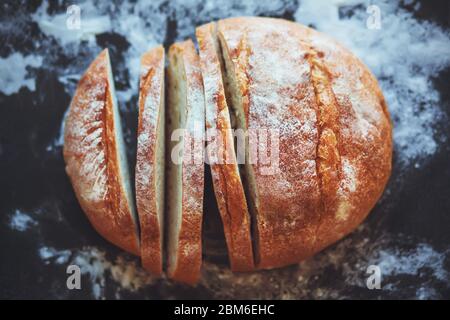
(33, 180)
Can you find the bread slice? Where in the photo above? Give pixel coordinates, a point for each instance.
(185, 174)
(95, 157)
(150, 159)
(226, 179)
(265, 70)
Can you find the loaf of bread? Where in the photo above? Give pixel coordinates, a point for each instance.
(318, 147)
(95, 157)
(150, 159)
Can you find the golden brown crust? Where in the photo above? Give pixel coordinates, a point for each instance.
(227, 183)
(189, 255)
(90, 153)
(365, 144)
(335, 134)
(151, 95)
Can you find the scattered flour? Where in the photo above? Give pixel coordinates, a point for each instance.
(141, 24)
(56, 25)
(48, 255)
(21, 221)
(422, 264)
(99, 269)
(394, 262)
(14, 72)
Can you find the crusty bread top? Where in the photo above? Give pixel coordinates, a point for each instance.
(365, 137)
(151, 96)
(225, 174)
(91, 156)
(335, 135)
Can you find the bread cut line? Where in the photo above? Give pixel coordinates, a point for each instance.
(150, 156)
(185, 181)
(226, 178)
(335, 147)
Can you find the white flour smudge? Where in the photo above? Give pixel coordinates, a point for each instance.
(56, 25)
(394, 262)
(21, 221)
(14, 72)
(48, 255)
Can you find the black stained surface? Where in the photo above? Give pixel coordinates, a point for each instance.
(33, 180)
